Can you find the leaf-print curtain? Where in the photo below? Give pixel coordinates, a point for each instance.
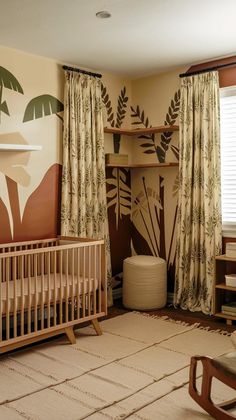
(83, 206)
(199, 211)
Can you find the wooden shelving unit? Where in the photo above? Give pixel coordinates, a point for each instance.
(19, 147)
(141, 131)
(221, 292)
(143, 165)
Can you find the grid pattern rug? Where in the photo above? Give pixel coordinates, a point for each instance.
(138, 369)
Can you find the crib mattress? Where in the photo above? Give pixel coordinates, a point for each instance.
(58, 286)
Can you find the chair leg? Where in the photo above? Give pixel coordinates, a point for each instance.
(96, 326)
(204, 398)
(227, 405)
(70, 335)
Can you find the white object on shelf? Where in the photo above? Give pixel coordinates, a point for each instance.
(19, 147)
(230, 249)
(230, 280)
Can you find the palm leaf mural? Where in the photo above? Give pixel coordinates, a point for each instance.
(121, 107)
(42, 106)
(148, 211)
(8, 80)
(119, 194)
(171, 116)
(107, 103)
(150, 146)
(147, 206)
(120, 113)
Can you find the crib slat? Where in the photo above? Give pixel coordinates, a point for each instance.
(14, 267)
(7, 299)
(42, 290)
(94, 280)
(49, 287)
(99, 279)
(55, 288)
(21, 268)
(89, 281)
(78, 283)
(29, 293)
(73, 284)
(67, 283)
(60, 271)
(83, 283)
(35, 274)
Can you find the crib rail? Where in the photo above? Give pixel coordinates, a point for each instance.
(46, 287)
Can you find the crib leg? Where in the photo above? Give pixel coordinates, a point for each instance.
(96, 326)
(70, 335)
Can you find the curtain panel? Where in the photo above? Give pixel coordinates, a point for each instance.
(83, 203)
(199, 230)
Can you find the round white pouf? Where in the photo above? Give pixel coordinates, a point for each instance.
(144, 282)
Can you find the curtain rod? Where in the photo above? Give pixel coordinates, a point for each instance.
(82, 71)
(220, 66)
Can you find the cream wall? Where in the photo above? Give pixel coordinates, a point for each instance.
(38, 76)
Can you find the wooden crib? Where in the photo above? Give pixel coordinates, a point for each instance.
(48, 286)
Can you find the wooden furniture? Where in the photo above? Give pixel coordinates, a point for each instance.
(222, 368)
(140, 132)
(222, 293)
(49, 286)
(143, 165)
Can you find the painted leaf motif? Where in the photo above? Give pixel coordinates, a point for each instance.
(9, 81)
(120, 194)
(4, 108)
(42, 106)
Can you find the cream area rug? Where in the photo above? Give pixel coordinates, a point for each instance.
(138, 369)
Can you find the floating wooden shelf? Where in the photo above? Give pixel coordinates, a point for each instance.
(230, 317)
(19, 147)
(141, 131)
(225, 258)
(143, 165)
(225, 287)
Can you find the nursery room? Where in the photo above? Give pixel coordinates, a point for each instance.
(117, 210)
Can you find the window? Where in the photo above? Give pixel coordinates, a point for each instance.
(228, 159)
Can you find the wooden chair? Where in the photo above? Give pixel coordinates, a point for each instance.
(222, 368)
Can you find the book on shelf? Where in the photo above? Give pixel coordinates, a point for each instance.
(231, 306)
(230, 313)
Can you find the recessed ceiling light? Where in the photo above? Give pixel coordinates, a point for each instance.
(103, 14)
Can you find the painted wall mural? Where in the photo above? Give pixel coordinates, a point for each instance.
(8, 81)
(141, 203)
(118, 192)
(150, 146)
(120, 113)
(119, 216)
(149, 225)
(140, 219)
(42, 106)
(38, 216)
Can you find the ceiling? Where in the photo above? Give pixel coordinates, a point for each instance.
(142, 37)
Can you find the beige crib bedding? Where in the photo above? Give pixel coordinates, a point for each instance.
(60, 286)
